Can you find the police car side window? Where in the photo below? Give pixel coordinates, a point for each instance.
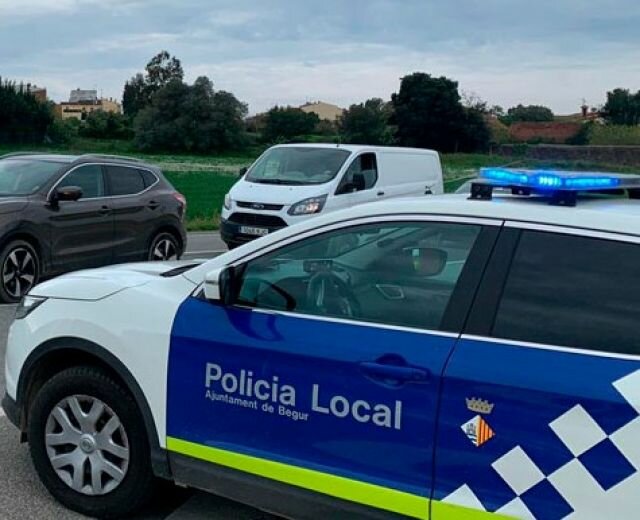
(572, 291)
(393, 273)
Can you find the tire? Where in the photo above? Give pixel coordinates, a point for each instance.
(116, 494)
(19, 270)
(164, 246)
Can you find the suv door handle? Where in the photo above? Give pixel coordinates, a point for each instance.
(104, 210)
(153, 204)
(394, 374)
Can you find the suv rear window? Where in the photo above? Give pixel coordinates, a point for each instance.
(124, 180)
(572, 291)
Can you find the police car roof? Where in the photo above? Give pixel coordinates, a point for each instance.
(617, 215)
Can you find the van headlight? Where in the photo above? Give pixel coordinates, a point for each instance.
(27, 305)
(308, 206)
(227, 201)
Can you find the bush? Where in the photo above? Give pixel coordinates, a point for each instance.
(106, 125)
(63, 131)
(583, 135)
(286, 124)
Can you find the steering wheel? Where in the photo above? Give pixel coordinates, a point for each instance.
(328, 294)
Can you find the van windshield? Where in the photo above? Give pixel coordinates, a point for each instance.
(298, 165)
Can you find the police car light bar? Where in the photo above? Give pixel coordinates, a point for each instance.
(561, 186)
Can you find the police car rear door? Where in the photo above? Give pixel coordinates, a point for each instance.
(323, 376)
(541, 398)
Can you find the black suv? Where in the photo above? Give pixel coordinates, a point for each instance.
(61, 213)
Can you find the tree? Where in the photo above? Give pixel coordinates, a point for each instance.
(106, 125)
(429, 114)
(159, 72)
(191, 118)
(288, 123)
(532, 113)
(23, 119)
(135, 96)
(367, 123)
(622, 107)
(162, 69)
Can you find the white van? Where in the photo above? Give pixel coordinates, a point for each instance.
(290, 183)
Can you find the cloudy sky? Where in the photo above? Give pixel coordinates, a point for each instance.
(552, 52)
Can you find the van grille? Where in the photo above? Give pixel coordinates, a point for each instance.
(259, 206)
(255, 219)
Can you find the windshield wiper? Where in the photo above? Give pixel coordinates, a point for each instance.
(277, 181)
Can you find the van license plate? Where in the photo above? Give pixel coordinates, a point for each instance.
(256, 231)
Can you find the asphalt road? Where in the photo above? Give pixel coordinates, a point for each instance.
(22, 495)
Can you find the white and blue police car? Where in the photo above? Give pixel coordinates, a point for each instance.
(441, 357)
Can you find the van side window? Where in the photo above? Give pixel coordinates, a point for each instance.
(572, 291)
(367, 166)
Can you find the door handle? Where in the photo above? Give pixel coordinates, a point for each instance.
(104, 210)
(394, 374)
(153, 204)
(380, 193)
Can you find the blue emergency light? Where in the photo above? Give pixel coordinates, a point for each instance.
(562, 187)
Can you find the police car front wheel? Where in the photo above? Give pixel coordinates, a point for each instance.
(89, 445)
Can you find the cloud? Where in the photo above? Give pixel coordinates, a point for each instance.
(287, 51)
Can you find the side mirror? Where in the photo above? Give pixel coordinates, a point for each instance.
(242, 172)
(68, 193)
(218, 283)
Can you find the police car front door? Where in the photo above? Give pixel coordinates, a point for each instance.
(325, 374)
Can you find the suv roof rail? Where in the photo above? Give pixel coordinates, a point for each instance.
(18, 154)
(109, 156)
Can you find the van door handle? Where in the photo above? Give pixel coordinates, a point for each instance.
(380, 193)
(394, 374)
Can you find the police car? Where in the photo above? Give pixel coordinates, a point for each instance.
(441, 357)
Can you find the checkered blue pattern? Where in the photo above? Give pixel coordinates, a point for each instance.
(598, 477)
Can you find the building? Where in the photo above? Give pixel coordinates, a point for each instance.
(40, 93)
(323, 110)
(83, 102)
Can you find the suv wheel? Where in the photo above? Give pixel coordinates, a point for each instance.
(19, 270)
(89, 444)
(164, 247)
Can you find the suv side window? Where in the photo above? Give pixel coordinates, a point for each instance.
(124, 180)
(401, 273)
(366, 165)
(148, 178)
(572, 291)
(89, 178)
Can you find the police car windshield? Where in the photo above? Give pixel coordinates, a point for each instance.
(20, 177)
(297, 165)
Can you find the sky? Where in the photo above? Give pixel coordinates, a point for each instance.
(288, 52)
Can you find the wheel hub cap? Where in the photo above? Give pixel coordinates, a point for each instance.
(18, 272)
(87, 445)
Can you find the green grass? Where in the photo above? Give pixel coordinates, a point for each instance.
(205, 179)
(204, 191)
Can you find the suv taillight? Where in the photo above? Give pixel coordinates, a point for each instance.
(182, 201)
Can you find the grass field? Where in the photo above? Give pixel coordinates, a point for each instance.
(204, 180)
